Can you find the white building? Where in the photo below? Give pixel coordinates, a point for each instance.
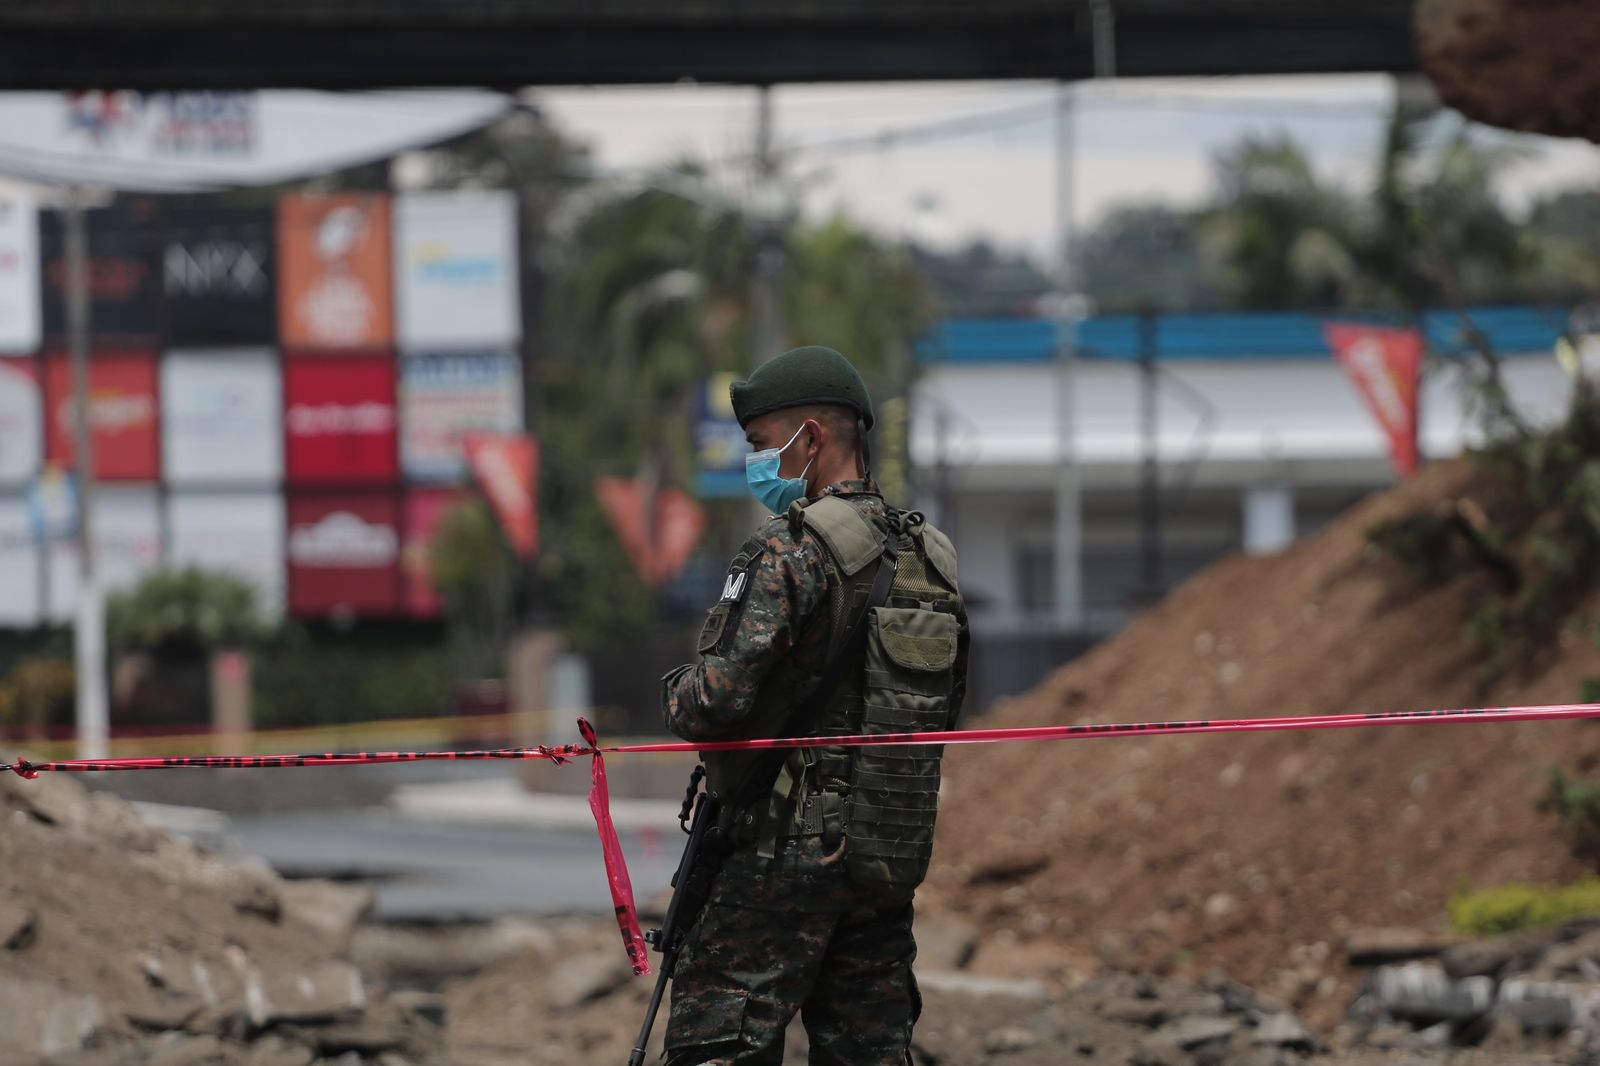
(1259, 436)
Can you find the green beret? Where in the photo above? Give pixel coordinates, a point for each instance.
(799, 378)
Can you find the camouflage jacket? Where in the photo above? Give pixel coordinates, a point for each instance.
(775, 627)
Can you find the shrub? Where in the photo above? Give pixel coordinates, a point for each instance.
(1577, 804)
(1511, 907)
(184, 612)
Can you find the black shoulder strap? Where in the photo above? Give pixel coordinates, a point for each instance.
(803, 721)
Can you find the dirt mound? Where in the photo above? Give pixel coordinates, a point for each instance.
(123, 944)
(1257, 854)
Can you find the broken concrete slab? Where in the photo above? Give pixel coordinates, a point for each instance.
(39, 1020)
(331, 908)
(585, 977)
(322, 992)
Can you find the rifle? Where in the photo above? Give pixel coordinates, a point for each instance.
(691, 888)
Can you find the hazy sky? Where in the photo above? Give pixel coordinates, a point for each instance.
(1136, 140)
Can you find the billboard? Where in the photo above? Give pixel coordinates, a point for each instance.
(334, 287)
(445, 397)
(719, 444)
(122, 414)
(124, 278)
(425, 509)
(21, 421)
(344, 554)
(506, 468)
(217, 271)
(239, 533)
(19, 564)
(339, 421)
(127, 545)
(221, 418)
(19, 277)
(456, 277)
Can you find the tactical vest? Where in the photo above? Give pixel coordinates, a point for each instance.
(882, 800)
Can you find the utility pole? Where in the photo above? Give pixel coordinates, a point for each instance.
(1068, 490)
(767, 201)
(1149, 467)
(89, 650)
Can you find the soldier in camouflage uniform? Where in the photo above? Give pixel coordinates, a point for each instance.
(791, 932)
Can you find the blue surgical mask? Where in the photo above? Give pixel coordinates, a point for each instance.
(761, 472)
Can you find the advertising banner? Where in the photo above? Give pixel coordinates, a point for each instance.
(19, 564)
(506, 468)
(344, 554)
(127, 544)
(122, 414)
(221, 418)
(124, 271)
(658, 529)
(456, 269)
(334, 281)
(19, 277)
(237, 533)
(217, 271)
(1386, 365)
(21, 421)
(339, 421)
(447, 397)
(719, 444)
(425, 509)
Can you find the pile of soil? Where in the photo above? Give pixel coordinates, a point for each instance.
(1257, 854)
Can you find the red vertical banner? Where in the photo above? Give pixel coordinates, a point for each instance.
(506, 468)
(425, 511)
(659, 545)
(1386, 366)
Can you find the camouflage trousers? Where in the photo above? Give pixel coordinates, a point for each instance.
(794, 934)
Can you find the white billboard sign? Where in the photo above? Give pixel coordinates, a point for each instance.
(236, 533)
(446, 396)
(19, 565)
(19, 276)
(185, 140)
(127, 540)
(221, 419)
(21, 422)
(456, 270)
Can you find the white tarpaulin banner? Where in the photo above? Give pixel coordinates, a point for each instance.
(19, 564)
(19, 276)
(178, 140)
(456, 270)
(21, 421)
(221, 418)
(127, 546)
(236, 533)
(445, 397)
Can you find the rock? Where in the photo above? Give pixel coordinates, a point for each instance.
(38, 1020)
(1283, 1030)
(194, 980)
(1435, 1036)
(322, 992)
(428, 1006)
(1424, 992)
(1378, 947)
(1545, 1007)
(1190, 1033)
(366, 1037)
(964, 984)
(329, 907)
(1009, 1040)
(1509, 952)
(586, 977)
(163, 1017)
(945, 945)
(177, 1049)
(16, 925)
(274, 1050)
(1013, 866)
(1134, 1011)
(1515, 63)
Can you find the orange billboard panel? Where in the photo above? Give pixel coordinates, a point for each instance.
(334, 281)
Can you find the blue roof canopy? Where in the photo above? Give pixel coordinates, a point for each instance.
(1263, 335)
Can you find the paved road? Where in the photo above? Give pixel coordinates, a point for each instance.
(432, 872)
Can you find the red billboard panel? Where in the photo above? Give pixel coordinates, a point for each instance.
(339, 421)
(425, 510)
(344, 554)
(122, 412)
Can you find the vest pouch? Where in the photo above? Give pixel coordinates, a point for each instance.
(894, 789)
